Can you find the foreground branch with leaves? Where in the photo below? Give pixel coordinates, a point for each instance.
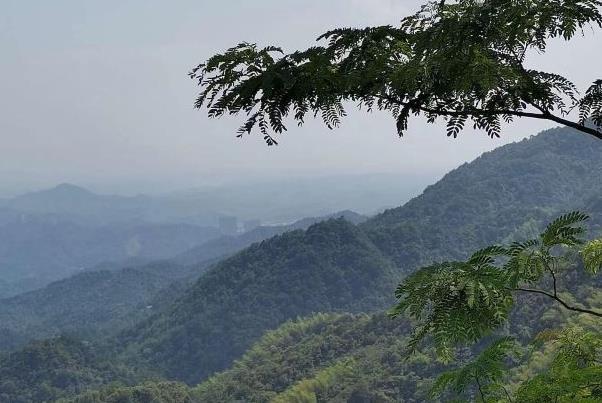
(461, 61)
(456, 303)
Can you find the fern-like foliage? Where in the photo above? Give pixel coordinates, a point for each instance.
(455, 302)
(461, 61)
(461, 302)
(575, 373)
(484, 375)
(590, 106)
(592, 256)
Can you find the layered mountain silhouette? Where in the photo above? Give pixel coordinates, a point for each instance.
(217, 312)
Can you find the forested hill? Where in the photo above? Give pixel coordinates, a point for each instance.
(46, 370)
(503, 193)
(335, 266)
(332, 266)
(87, 304)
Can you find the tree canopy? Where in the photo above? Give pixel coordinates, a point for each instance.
(461, 60)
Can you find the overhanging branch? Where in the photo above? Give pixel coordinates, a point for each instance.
(559, 300)
(544, 115)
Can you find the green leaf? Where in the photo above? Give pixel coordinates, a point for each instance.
(592, 256)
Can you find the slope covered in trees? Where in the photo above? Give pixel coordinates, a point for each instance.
(50, 369)
(503, 193)
(477, 204)
(331, 357)
(229, 244)
(332, 266)
(349, 358)
(102, 302)
(90, 303)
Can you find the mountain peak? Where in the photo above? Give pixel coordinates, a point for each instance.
(68, 188)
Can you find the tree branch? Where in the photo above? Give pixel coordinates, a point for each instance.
(480, 388)
(559, 300)
(544, 115)
(582, 128)
(507, 393)
(549, 269)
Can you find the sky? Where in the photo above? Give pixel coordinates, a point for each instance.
(97, 93)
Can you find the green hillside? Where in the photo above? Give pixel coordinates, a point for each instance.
(87, 303)
(502, 193)
(46, 370)
(344, 356)
(105, 301)
(332, 266)
(335, 266)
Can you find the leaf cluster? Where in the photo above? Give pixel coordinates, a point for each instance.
(484, 372)
(575, 373)
(461, 302)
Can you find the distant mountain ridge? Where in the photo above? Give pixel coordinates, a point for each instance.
(223, 246)
(53, 233)
(113, 295)
(40, 249)
(273, 202)
(69, 201)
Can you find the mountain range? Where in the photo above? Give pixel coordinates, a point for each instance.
(50, 234)
(346, 271)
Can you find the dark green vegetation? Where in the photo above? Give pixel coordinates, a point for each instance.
(85, 304)
(154, 392)
(503, 194)
(360, 358)
(461, 61)
(339, 267)
(462, 301)
(226, 245)
(332, 266)
(355, 358)
(46, 370)
(337, 357)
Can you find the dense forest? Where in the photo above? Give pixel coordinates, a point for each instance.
(302, 315)
(331, 266)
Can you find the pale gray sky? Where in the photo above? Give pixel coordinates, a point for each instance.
(97, 93)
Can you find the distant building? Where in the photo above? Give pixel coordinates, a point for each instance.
(250, 225)
(228, 225)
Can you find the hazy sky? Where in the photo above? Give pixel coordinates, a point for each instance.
(97, 93)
